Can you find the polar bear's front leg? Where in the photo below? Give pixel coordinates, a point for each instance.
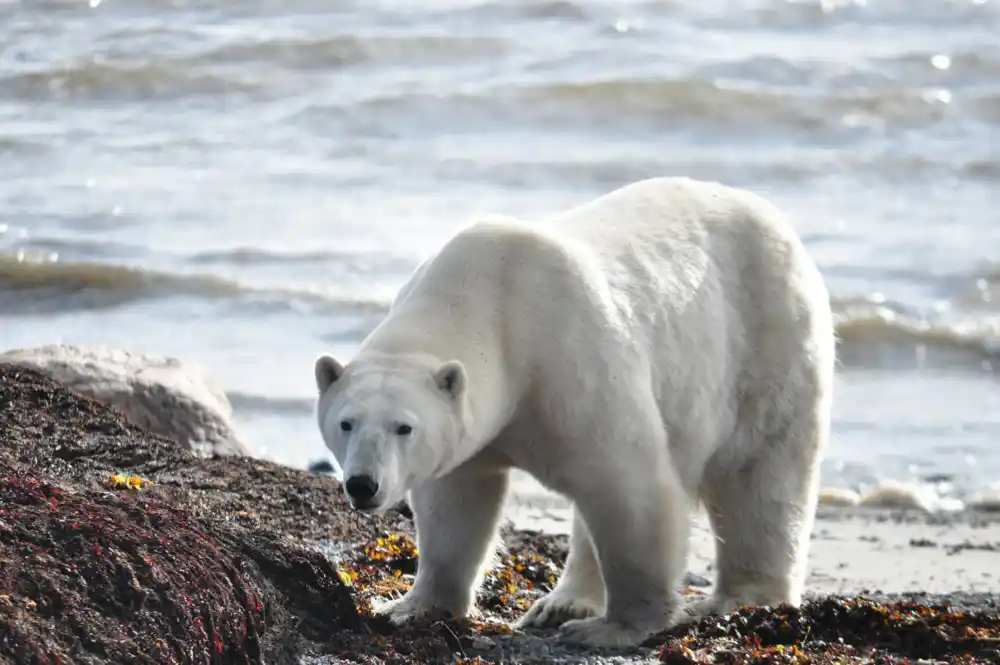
(639, 523)
(456, 519)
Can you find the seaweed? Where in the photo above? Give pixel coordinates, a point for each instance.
(840, 630)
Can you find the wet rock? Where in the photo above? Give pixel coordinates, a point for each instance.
(321, 466)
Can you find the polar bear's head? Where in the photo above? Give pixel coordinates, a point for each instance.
(390, 422)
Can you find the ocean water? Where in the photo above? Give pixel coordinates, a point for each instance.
(245, 184)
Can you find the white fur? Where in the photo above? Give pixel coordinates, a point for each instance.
(667, 343)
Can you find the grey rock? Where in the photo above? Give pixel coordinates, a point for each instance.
(692, 579)
(322, 466)
(177, 400)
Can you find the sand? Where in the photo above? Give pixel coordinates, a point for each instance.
(854, 550)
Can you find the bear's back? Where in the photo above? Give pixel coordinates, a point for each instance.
(658, 253)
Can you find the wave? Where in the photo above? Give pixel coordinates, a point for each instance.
(968, 63)
(254, 256)
(733, 102)
(869, 331)
(43, 248)
(356, 262)
(23, 146)
(31, 286)
(325, 53)
(801, 167)
(801, 16)
(873, 334)
(119, 81)
(697, 102)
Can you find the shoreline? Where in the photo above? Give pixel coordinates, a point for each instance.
(859, 550)
(853, 549)
(240, 560)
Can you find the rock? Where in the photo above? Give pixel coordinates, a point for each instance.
(901, 496)
(695, 580)
(322, 466)
(839, 497)
(179, 401)
(986, 500)
(482, 642)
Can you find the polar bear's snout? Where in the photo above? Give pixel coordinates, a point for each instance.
(361, 490)
(367, 477)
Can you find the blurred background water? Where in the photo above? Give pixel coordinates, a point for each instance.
(245, 184)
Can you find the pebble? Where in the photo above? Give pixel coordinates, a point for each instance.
(482, 642)
(987, 500)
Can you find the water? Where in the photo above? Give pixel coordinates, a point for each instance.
(245, 184)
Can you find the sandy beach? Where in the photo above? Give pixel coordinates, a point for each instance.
(854, 550)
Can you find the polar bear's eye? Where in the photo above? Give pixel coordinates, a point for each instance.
(345, 426)
(403, 430)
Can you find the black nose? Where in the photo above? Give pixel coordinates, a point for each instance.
(361, 488)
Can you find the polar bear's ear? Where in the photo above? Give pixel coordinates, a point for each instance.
(328, 370)
(450, 377)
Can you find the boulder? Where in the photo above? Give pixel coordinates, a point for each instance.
(179, 401)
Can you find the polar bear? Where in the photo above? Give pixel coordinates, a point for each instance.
(667, 344)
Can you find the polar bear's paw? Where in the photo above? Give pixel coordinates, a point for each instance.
(556, 608)
(410, 607)
(599, 632)
(722, 603)
(714, 605)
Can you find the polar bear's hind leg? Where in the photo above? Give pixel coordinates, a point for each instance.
(579, 593)
(762, 514)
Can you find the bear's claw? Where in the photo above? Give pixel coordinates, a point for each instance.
(598, 632)
(402, 610)
(555, 609)
(710, 606)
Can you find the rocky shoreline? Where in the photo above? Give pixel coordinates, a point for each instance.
(121, 546)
